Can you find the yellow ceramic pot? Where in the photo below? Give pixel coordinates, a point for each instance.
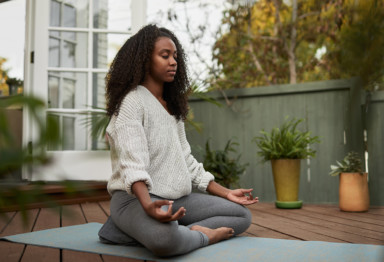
(286, 177)
(353, 192)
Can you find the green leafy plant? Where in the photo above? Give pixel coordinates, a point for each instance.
(13, 192)
(286, 142)
(226, 169)
(350, 164)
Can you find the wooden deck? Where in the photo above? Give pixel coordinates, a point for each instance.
(312, 222)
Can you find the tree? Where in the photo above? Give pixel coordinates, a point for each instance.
(4, 88)
(359, 44)
(271, 42)
(9, 85)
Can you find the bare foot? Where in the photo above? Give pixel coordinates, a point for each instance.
(215, 235)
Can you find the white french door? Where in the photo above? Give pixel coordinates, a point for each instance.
(69, 47)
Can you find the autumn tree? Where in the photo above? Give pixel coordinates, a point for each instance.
(9, 85)
(272, 42)
(359, 46)
(4, 88)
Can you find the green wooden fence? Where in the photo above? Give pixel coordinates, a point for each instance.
(374, 121)
(332, 110)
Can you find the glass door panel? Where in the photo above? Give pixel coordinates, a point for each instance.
(83, 37)
(112, 14)
(106, 46)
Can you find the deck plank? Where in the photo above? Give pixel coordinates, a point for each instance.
(259, 231)
(5, 218)
(47, 218)
(307, 211)
(360, 217)
(106, 207)
(288, 227)
(11, 251)
(320, 226)
(73, 215)
(94, 213)
(377, 210)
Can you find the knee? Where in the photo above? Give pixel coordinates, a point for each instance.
(248, 217)
(245, 221)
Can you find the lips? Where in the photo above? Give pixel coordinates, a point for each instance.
(171, 72)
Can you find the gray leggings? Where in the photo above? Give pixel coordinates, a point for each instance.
(175, 238)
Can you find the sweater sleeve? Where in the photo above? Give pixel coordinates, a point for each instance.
(199, 177)
(129, 145)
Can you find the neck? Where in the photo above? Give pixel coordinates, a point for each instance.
(154, 87)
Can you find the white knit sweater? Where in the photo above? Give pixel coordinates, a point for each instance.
(148, 144)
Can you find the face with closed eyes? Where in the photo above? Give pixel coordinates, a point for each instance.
(163, 64)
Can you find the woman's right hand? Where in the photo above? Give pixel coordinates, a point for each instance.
(154, 210)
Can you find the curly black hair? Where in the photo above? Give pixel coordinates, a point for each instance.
(131, 65)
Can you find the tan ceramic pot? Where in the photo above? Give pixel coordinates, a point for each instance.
(353, 192)
(286, 177)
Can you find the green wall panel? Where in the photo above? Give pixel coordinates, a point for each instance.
(332, 110)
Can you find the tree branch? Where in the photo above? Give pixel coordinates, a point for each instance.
(291, 48)
(252, 51)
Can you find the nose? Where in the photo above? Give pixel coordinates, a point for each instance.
(173, 61)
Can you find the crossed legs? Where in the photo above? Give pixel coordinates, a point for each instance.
(203, 212)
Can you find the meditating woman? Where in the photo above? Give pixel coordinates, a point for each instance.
(153, 170)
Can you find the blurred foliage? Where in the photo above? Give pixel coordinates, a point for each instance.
(330, 39)
(226, 169)
(97, 122)
(13, 158)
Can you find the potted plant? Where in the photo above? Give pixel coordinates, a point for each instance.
(285, 147)
(226, 169)
(353, 183)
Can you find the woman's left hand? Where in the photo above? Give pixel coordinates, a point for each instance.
(240, 196)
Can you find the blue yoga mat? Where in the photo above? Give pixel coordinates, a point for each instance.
(84, 238)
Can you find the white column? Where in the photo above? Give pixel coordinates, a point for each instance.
(35, 72)
(139, 15)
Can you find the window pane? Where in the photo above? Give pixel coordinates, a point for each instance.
(55, 14)
(98, 101)
(67, 90)
(106, 47)
(112, 14)
(69, 16)
(73, 132)
(53, 91)
(53, 146)
(68, 54)
(69, 13)
(54, 52)
(98, 86)
(68, 49)
(69, 93)
(68, 133)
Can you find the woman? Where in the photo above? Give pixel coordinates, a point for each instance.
(153, 170)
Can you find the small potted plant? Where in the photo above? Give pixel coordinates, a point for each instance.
(353, 185)
(285, 147)
(226, 169)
